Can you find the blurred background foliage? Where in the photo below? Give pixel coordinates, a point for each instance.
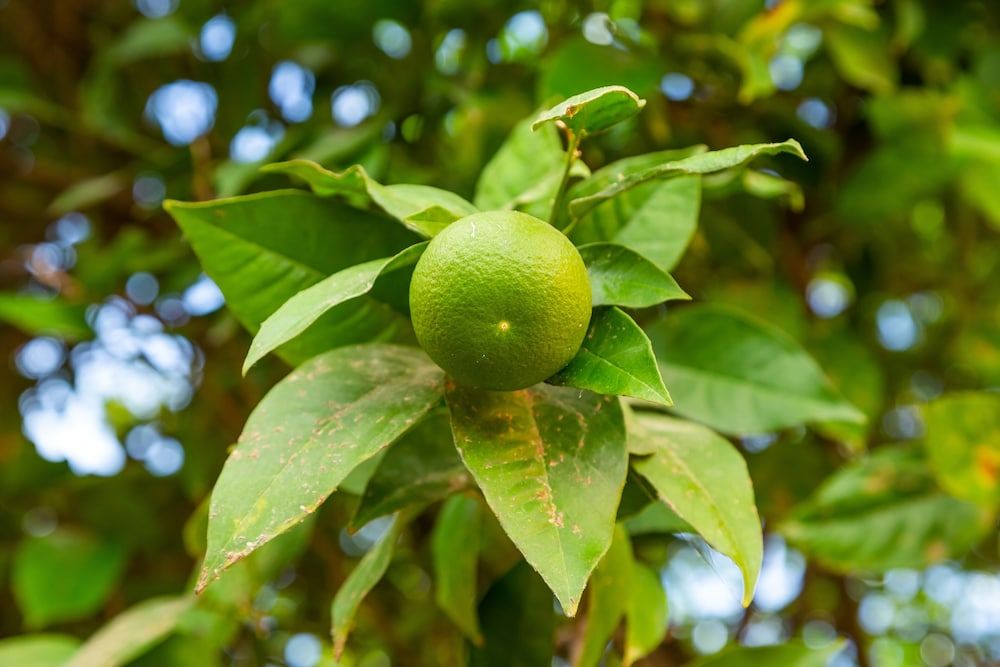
(122, 388)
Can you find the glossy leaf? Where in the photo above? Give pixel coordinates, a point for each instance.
(525, 159)
(551, 463)
(403, 202)
(884, 512)
(359, 583)
(645, 614)
(421, 468)
(39, 316)
(455, 552)
(132, 633)
(594, 111)
(740, 375)
(305, 308)
(616, 359)
(703, 163)
(315, 426)
(518, 622)
(88, 571)
(607, 599)
(263, 249)
(37, 650)
(622, 277)
(704, 479)
(793, 654)
(963, 442)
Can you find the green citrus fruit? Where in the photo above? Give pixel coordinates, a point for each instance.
(500, 300)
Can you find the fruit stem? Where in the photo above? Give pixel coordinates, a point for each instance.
(571, 154)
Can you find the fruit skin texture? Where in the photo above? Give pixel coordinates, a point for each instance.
(500, 300)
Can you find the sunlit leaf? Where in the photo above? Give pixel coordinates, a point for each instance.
(455, 552)
(421, 468)
(88, 570)
(622, 277)
(702, 163)
(132, 633)
(594, 111)
(518, 622)
(645, 614)
(360, 582)
(526, 159)
(740, 375)
(36, 315)
(616, 359)
(607, 599)
(37, 650)
(314, 427)
(263, 249)
(402, 202)
(704, 479)
(551, 463)
(963, 441)
(302, 310)
(884, 512)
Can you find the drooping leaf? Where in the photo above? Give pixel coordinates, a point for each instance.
(34, 315)
(421, 468)
(551, 463)
(525, 159)
(594, 111)
(359, 583)
(616, 359)
(621, 277)
(703, 163)
(963, 442)
(263, 249)
(518, 622)
(645, 614)
(793, 654)
(704, 479)
(315, 426)
(655, 219)
(740, 375)
(406, 203)
(87, 568)
(132, 633)
(300, 312)
(607, 599)
(884, 512)
(455, 551)
(37, 650)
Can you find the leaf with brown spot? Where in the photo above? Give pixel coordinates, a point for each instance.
(551, 463)
(312, 429)
(963, 442)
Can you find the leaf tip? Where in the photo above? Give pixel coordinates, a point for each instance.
(799, 151)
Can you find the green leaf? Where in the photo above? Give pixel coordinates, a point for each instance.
(421, 468)
(655, 219)
(792, 654)
(524, 160)
(884, 512)
(963, 442)
(302, 310)
(702, 163)
(315, 426)
(594, 111)
(704, 479)
(38, 650)
(406, 203)
(132, 633)
(577, 65)
(645, 614)
(35, 315)
(616, 359)
(740, 375)
(518, 622)
(861, 57)
(551, 463)
(607, 599)
(87, 572)
(656, 518)
(622, 277)
(263, 249)
(455, 551)
(359, 583)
